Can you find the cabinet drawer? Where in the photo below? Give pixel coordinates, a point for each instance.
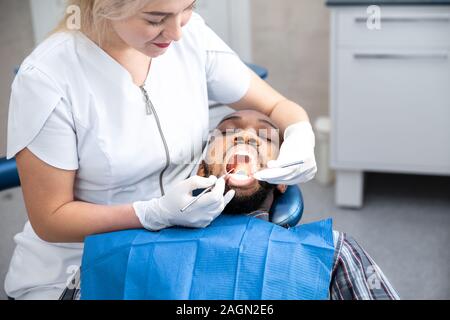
(400, 27)
(391, 110)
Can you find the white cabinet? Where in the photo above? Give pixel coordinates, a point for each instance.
(401, 26)
(390, 95)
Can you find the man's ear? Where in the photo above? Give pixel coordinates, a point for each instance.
(282, 188)
(202, 169)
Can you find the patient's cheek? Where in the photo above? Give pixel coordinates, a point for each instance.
(213, 156)
(217, 150)
(267, 152)
(271, 151)
(246, 192)
(215, 169)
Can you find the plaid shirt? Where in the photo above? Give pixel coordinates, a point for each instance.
(355, 276)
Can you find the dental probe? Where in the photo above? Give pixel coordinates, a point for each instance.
(290, 164)
(204, 192)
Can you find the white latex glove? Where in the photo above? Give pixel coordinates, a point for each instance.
(298, 145)
(164, 212)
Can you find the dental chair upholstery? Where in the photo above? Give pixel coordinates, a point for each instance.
(287, 209)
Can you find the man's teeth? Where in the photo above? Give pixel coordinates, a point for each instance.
(242, 153)
(240, 175)
(244, 163)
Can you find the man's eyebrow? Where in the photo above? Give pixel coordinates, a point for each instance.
(240, 118)
(268, 122)
(163, 14)
(229, 118)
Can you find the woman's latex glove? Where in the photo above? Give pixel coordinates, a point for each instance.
(298, 145)
(164, 212)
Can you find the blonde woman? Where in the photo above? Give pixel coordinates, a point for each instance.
(107, 124)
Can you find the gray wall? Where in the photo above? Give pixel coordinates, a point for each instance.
(16, 41)
(290, 38)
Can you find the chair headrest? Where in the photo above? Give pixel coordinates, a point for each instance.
(287, 209)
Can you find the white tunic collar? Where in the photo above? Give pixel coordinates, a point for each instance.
(103, 62)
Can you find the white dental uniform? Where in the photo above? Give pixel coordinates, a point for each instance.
(76, 108)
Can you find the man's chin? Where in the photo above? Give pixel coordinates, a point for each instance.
(243, 185)
(249, 199)
(250, 193)
(243, 191)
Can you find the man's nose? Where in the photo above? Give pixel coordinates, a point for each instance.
(173, 29)
(239, 140)
(244, 139)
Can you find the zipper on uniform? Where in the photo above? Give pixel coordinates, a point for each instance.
(148, 102)
(151, 110)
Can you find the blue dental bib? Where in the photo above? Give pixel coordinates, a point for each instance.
(235, 258)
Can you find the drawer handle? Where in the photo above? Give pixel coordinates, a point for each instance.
(443, 18)
(400, 56)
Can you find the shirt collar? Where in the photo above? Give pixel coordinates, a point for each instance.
(101, 61)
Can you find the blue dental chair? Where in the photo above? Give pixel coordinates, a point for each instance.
(9, 177)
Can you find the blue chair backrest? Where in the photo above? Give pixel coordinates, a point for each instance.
(262, 72)
(9, 177)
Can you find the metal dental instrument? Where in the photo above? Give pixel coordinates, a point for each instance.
(204, 192)
(287, 165)
(291, 164)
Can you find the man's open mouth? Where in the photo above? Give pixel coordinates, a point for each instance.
(244, 162)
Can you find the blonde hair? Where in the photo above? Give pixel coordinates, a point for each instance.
(95, 15)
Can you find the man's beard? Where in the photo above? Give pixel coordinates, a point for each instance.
(245, 204)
